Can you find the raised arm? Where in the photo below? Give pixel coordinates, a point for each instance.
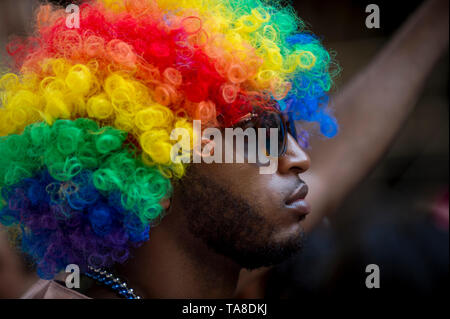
(373, 106)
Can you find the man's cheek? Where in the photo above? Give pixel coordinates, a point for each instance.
(274, 192)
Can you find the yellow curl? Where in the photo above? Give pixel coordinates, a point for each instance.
(156, 143)
(79, 79)
(153, 116)
(99, 107)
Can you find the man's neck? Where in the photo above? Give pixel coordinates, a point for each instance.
(178, 265)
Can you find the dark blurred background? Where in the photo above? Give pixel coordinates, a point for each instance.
(398, 216)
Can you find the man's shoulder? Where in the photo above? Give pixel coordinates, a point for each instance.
(50, 289)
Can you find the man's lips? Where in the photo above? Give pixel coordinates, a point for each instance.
(297, 200)
(299, 194)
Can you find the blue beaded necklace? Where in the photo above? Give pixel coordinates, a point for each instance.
(108, 279)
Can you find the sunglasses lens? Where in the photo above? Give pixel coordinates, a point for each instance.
(270, 120)
(291, 128)
(267, 121)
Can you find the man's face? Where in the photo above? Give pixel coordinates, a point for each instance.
(254, 219)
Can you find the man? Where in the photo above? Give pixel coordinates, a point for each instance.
(220, 217)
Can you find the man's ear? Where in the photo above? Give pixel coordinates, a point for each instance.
(165, 203)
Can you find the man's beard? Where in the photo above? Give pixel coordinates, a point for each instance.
(231, 226)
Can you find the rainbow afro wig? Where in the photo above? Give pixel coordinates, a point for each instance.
(85, 121)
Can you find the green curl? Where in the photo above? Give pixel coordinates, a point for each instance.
(68, 147)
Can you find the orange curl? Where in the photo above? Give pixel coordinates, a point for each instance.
(147, 72)
(172, 76)
(206, 112)
(164, 94)
(253, 65)
(121, 53)
(94, 46)
(237, 73)
(192, 24)
(140, 7)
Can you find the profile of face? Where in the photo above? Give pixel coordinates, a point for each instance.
(253, 219)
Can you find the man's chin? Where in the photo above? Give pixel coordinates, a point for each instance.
(272, 254)
(293, 232)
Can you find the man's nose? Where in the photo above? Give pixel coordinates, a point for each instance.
(295, 159)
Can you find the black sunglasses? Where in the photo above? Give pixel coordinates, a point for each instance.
(268, 120)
